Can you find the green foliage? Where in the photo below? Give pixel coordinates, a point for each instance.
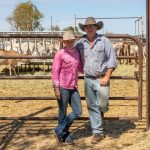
(71, 28)
(55, 28)
(26, 17)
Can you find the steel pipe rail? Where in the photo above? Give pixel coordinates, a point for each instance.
(54, 98)
(49, 77)
(25, 57)
(26, 35)
(148, 63)
(50, 57)
(114, 18)
(55, 118)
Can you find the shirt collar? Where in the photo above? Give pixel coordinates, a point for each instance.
(69, 50)
(97, 37)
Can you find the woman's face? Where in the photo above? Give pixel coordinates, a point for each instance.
(69, 43)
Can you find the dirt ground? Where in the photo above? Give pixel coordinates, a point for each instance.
(37, 135)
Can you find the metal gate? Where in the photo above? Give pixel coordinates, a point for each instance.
(138, 76)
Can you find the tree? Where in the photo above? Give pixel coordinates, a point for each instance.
(26, 17)
(71, 28)
(68, 28)
(55, 28)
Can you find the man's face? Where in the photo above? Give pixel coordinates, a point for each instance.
(90, 30)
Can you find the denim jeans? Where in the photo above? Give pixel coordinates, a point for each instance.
(72, 97)
(97, 102)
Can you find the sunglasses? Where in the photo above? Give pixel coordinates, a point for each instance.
(90, 27)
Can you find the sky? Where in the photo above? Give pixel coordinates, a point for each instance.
(63, 13)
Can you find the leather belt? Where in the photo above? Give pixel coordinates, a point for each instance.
(93, 77)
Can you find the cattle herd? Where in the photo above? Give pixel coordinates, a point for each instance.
(23, 47)
(128, 48)
(42, 46)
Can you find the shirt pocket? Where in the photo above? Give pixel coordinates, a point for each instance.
(100, 52)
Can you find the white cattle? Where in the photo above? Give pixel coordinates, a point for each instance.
(135, 52)
(118, 48)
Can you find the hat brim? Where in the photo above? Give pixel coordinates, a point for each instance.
(99, 25)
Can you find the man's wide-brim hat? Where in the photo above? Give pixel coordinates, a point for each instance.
(91, 21)
(68, 35)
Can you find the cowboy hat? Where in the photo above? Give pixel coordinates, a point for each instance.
(68, 35)
(91, 21)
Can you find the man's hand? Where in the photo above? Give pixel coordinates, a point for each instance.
(57, 92)
(104, 80)
(106, 77)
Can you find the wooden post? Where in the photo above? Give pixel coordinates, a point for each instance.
(148, 63)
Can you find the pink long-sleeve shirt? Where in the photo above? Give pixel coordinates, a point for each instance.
(65, 68)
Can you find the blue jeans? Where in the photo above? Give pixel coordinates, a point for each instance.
(72, 97)
(97, 102)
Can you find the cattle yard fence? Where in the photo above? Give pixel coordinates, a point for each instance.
(137, 77)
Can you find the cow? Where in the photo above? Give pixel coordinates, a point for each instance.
(129, 49)
(127, 52)
(118, 48)
(144, 52)
(11, 63)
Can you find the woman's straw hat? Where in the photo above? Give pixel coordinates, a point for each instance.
(68, 35)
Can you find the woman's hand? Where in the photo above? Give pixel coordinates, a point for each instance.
(57, 92)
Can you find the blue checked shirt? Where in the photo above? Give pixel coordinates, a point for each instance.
(96, 59)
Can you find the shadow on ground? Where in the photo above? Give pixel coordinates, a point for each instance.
(112, 128)
(22, 131)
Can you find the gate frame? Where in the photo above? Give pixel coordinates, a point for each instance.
(138, 76)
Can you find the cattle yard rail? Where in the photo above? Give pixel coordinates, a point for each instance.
(137, 76)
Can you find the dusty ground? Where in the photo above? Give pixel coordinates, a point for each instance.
(37, 135)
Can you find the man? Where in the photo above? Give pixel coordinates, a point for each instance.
(99, 61)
